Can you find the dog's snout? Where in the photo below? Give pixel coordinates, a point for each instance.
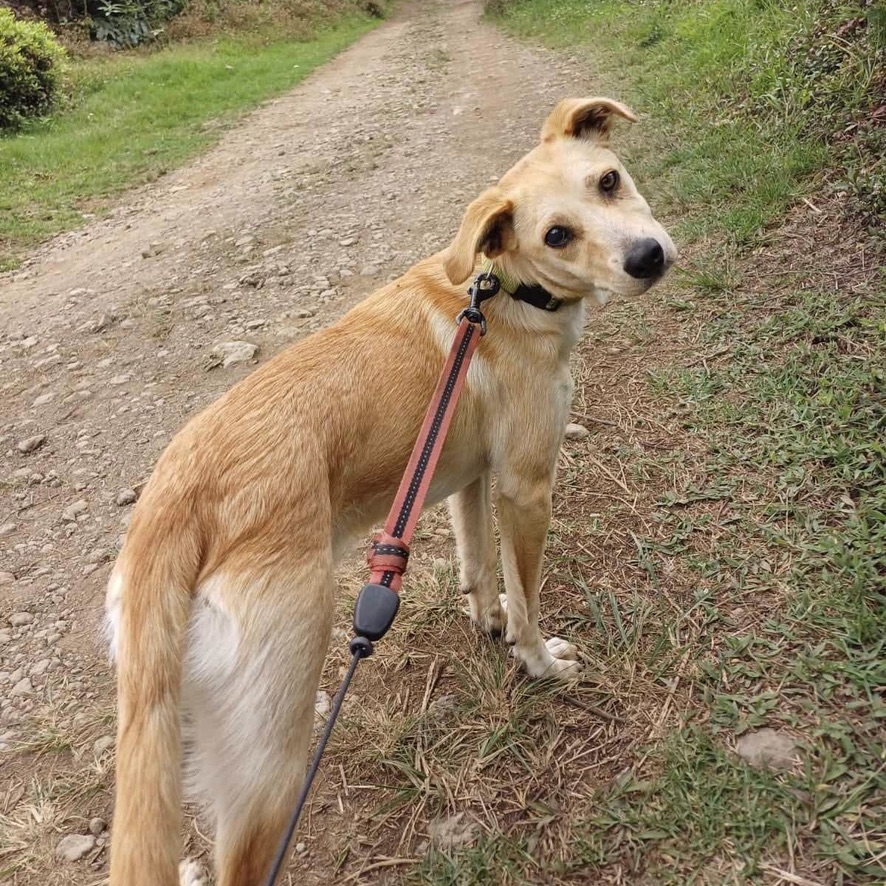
(645, 259)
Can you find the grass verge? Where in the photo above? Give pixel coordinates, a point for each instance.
(754, 95)
(136, 115)
(718, 548)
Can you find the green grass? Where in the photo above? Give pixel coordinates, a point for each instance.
(134, 116)
(754, 585)
(755, 95)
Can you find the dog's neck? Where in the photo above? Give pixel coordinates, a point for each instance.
(535, 295)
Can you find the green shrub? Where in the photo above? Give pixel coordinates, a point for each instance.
(30, 69)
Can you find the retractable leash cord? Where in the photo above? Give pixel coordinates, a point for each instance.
(378, 602)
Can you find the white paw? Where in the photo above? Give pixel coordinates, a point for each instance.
(563, 669)
(561, 649)
(551, 658)
(191, 873)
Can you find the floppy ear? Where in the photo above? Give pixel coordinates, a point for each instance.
(584, 118)
(488, 227)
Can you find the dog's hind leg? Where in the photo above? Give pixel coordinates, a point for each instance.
(471, 512)
(255, 656)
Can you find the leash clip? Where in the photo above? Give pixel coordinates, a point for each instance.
(484, 287)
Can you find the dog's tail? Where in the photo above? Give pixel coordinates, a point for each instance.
(149, 601)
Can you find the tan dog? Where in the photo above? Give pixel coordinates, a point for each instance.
(221, 602)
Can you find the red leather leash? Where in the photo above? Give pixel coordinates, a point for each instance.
(379, 600)
(390, 551)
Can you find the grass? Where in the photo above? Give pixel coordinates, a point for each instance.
(134, 116)
(756, 95)
(718, 548)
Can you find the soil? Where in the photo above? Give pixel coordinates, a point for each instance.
(108, 337)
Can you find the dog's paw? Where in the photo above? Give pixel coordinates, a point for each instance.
(551, 658)
(191, 873)
(563, 669)
(492, 618)
(561, 649)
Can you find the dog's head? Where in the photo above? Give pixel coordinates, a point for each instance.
(567, 216)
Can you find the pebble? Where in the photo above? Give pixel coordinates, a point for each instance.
(43, 399)
(322, 705)
(71, 512)
(231, 352)
(8, 529)
(102, 744)
(767, 749)
(348, 241)
(40, 668)
(453, 832)
(17, 619)
(74, 847)
(31, 443)
(22, 688)
(576, 432)
(97, 826)
(126, 497)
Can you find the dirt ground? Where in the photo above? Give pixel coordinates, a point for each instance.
(107, 338)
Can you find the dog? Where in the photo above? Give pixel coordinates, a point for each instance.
(220, 604)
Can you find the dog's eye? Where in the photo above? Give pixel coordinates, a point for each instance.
(558, 237)
(609, 182)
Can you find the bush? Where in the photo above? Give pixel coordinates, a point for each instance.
(30, 69)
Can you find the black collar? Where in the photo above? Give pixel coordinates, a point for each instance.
(537, 296)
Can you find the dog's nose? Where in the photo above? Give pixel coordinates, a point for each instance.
(645, 259)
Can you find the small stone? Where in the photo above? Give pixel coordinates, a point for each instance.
(303, 313)
(348, 241)
(767, 748)
(8, 529)
(368, 271)
(97, 826)
(454, 832)
(74, 847)
(301, 848)
(31, 443)
(118, 380)
(18, 619)
(39, 669)
(125, 497)
(43, 399)
(102, 744)
(22, 688)
(576, 432)
(322, 705)
(231, 352)
(71, 512)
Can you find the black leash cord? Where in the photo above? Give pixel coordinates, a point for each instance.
(315, 765)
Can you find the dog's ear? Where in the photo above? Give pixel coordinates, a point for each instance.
(585, 118)
(488, 227)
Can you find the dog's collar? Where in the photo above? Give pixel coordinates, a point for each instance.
(534, 295)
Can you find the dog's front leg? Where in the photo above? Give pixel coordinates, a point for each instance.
(524, 514)
(471, 511)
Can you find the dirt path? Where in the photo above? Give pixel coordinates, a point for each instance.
(107, 333)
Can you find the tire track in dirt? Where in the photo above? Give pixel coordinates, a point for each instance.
(303, 208)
